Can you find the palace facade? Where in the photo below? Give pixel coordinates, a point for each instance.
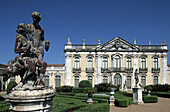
(113, 62)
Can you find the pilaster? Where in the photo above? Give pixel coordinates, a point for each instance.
(68, 69)
(164, 68)
(98, 68)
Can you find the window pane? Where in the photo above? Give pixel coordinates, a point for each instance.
(105, 62)
(105, 79)
(58, 81)
(129, 82)
(89, 62)
(155, 80)
(143, 80)
(46, 80)
(90, 79)
(76, 81)
(76, 62)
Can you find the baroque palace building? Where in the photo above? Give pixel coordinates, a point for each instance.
(113, 62)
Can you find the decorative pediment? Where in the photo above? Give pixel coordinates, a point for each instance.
(117, 44)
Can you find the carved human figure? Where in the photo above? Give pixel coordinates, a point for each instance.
(36, 36)
(136, 77)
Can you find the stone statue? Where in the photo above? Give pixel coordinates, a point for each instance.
(29, 63)
(125, 85)
(136, 77)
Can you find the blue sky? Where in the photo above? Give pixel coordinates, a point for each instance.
(85, 19)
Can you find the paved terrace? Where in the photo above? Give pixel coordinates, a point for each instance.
(163, 105)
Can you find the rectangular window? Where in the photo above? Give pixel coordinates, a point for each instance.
(155, 63)
(128, 63)
(143, 80)
(155, 80)
(143, 63)
(90, 79)
(57, 81)
(105, 79)
(46, 80)
(129, 82)
(117, 62)
(105, 63)
(76, 62)
(76, 81)
(89, 62)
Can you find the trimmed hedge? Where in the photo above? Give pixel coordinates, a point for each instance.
(11, 85)
(78, 90)
(159, 87)
(64, 89)
(85, 84)
(159, 94)
(150, 99)
(4, 106)
(105, 87)
(103, 107)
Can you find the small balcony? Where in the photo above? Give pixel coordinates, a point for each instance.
(129, 70)
(143, 70)
(155, 70)
(114, 69)
(89, 70)
(104, 70)
(76, 70)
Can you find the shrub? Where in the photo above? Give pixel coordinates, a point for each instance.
(163, 94)
(150, 99)
(90, 90)
(4, 106)
(78, 90)
(105, 87)
(64, 89)
(101, 107)
(0, 84)
(85, 84)
(148, 87)
(11, 85)
(160, 87)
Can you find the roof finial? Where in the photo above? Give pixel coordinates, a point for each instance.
(68, 41)
(134, 41)
(99, 41)
(149, 43)
(163, 41)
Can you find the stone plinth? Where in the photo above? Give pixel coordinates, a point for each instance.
(112, 102)
(31, 100)
(137, 95)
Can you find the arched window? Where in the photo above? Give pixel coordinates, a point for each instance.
(90, 79)
(105, 79)
(77, 62)
(89, 62)
(143, 80)
(118, 79)
(155, 80)
(117, 62)
(76, 81)
(105, 63)
(129, 82)
(57, 81)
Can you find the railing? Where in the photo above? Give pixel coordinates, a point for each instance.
(76, 70)
(104, 70)
(155, 70)
(129, 70)
(114, 69)
(89, 70)
(143, 70)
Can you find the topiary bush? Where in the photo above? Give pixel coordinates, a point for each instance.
(160, 87)
(85, 84)
(11, 85)
(150, 99)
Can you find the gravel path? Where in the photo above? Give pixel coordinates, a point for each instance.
(163, 105)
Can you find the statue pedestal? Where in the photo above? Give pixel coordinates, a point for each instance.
(31, 100)
(137, 95)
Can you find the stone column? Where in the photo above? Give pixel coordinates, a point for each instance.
(164, 68)
(98, 69)
(68, 69)
(135, 66)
